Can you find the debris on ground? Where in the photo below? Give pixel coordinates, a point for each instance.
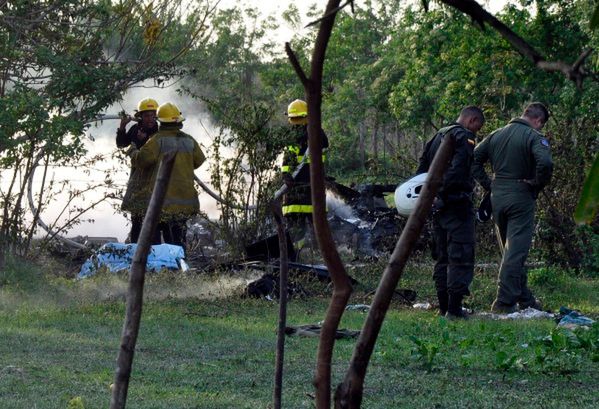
(571, 319)
(405, 296)
(402, 295)
(118, 256)
(422, 306)
(267, 287)
(268, 249)
(319, 271)
(312, 330)
(526, 314)
(361, 220)
(262, 287)
(358, 307)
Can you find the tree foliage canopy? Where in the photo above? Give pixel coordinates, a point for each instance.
(393, 74)
(62, 63)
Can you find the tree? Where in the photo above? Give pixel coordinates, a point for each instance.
(63, 62)
(226, 75)
(437, 38)
(349, 393)
(341, 283)
(588, 205)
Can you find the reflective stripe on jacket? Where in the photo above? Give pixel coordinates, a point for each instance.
(297, 209)
(298, 199)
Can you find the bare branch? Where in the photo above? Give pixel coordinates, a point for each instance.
(296, 65)
(349, 392)
(332, 12)
(275, 206)
(342, 287)
(582, 58)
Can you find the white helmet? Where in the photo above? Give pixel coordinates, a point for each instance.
(407, 194)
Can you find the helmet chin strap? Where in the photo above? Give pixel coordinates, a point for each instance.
(298, 121)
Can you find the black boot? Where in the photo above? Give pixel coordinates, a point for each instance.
(443, 300)
(454, 307)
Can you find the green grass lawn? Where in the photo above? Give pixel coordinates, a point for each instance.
(59, 340)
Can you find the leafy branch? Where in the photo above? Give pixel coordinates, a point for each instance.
(575, 72)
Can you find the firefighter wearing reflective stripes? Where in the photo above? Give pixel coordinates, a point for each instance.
(297, 203)
(298, 200)
(181, 200)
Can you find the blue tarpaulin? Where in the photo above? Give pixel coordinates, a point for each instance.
(118, 256)
(572, 318)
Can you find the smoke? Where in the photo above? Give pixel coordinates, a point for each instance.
(338, 207)
(104, 220)
(49, 291)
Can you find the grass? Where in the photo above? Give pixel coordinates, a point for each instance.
(59, 340)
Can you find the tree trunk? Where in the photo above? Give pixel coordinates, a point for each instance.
(349, 393)
(362, 144)
(136, 285)
(374, 142)
(341, 283)
(283, 273)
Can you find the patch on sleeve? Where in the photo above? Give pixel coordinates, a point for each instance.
(544, 142)
(471, 142)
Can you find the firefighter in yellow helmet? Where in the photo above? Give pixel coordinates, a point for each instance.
(181, 201)
(297, 204)
(136, 136)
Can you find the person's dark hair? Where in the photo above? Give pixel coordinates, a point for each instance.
(472, 110)
(537, 110)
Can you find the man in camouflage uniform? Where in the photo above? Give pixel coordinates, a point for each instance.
(521, 162)
(453, 214)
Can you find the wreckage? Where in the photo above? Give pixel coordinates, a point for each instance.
(361, 222)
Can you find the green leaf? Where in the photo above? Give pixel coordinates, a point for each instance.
(587, 207)
(595, 18)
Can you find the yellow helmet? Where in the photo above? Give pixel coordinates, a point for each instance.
(147, 104)
(169, 113)
(297, 109)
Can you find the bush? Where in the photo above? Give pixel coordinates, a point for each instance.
(589, 241)
(548, 277)
(18, 274)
